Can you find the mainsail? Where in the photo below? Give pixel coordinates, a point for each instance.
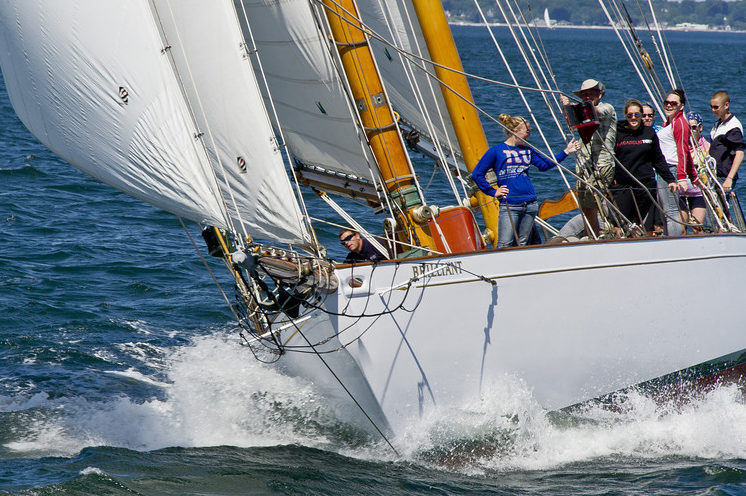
(113, 92)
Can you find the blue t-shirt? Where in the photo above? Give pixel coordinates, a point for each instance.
(511, 165)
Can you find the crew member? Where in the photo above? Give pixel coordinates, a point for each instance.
(361, 250)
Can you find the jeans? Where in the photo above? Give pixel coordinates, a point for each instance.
(670, 204)
(523, 215)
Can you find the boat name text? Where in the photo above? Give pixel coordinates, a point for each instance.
(436, 270)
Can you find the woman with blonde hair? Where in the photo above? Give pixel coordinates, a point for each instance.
(511, 160)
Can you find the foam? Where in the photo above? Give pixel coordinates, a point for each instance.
(213, 392)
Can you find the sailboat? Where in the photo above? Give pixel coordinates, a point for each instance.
(547, 20)
(237, 114)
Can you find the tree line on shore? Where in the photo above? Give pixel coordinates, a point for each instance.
(716, 14)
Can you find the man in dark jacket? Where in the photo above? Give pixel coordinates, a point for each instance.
(361, 250)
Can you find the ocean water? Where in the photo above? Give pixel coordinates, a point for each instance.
(121, 371)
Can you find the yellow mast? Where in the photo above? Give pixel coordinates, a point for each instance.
(455, 88)
(378, 121)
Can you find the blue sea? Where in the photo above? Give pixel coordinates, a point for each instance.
(122, 371)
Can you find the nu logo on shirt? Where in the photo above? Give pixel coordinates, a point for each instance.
(517, 157)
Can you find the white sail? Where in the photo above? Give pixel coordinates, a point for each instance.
(314, 113)
(91, 81)
(212, 63)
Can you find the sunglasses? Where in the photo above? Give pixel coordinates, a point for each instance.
(346, 238)
(714, 107)
(695, 126)
(633, 115)
(671, 103)
(648, 116)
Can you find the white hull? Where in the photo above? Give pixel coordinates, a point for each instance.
(573, 322)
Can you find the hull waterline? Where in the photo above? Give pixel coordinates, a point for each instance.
(571, 322)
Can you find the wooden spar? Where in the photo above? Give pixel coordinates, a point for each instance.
(550, 208)
(459, 101)
(377, 119)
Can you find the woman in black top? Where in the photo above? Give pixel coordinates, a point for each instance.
(639, 154)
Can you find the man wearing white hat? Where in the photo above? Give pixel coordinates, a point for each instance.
(599, 151)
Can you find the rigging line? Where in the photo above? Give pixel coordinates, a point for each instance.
(523, 97)
(635, 47)
(364, 82)
(542, 51)
(655, 43)
(323, 23)
(642, 58)
(372, 34)
(439, 111)
(538, 84)
(340, 211)
(279, 130)
(349, 393)
(510, 71)
(397, 242)
(359, 317)
(190, 110)
(507, 64)
(442, 83)
(546, 225)
(209, 270)
(667, 63)
(408, 70)
(543, 54)
(531, 49)
(644, 55)
(616, 31)
(654, 200)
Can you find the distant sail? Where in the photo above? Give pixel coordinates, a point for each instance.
(547, 20)
(92, 80)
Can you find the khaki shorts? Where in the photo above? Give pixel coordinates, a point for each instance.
(586, 198)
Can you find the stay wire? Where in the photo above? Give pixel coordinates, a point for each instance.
(349, 393)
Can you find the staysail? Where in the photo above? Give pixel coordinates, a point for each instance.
(94, 82)
(213, 66)
(310, 99)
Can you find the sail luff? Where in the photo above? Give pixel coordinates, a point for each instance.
(222, 93)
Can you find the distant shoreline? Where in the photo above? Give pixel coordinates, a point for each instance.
(575, 26)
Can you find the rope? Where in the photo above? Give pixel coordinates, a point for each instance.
(349, 393)
(629, 55)
(209, 270)
(414, 85)
(378, 246)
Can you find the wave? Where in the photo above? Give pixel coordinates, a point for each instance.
(213, 393)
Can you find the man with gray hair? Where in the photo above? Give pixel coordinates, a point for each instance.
(594, 162)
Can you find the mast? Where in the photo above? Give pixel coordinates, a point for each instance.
(378, 122)
(458, 97)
